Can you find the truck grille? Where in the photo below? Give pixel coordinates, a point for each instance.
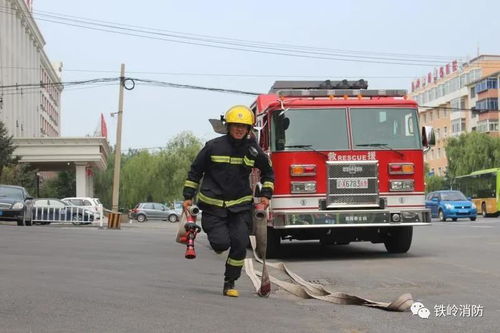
(352, 184)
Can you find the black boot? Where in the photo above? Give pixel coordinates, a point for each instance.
(229, 289)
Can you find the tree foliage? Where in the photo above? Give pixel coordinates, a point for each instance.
(470, 152)
(20, 174)
(435, 183)
(64, 185)
(6, 148)
(147, 176)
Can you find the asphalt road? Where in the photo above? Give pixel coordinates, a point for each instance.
(83, 279)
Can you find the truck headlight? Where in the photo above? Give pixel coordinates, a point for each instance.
(18, 205)
(303, 187)
(401, 185)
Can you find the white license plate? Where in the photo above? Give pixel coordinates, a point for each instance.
(352, 183)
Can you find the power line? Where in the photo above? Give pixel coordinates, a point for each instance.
(19, 88)
(64, 16)
(227, 74)
(247, 46)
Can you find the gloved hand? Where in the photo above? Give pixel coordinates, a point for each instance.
(186, 204)
(192, 226)
(265, 202)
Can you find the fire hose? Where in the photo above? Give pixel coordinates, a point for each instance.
(298, 286)
(188, 229)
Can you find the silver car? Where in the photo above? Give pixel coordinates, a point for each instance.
(152, 210)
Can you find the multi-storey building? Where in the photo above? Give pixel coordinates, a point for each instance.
(29, 89)
(484, 98)
(455, 99)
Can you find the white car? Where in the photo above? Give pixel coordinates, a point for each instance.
(92, 204)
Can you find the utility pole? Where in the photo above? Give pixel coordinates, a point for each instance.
(118, 145)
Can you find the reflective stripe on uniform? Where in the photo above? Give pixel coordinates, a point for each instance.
(222, 203)
(248, 161)
(235, 262)
(210, 201)
(232, 160)
(239, 201)
(269, 185)
(189, 183)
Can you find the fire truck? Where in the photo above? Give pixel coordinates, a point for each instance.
(348, 163)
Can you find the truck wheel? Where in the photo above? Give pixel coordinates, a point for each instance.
(398, 239)
(273, 248)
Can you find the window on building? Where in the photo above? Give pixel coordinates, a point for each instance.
(488, 83)
(445, 131)
(463, 80)
(473, 92)
(487, 104)
(439, 153)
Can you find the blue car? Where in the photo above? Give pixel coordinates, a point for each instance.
(450, 204)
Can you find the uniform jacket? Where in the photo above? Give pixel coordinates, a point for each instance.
(223, 166)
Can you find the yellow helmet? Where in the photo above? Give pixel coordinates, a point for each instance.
(239, 114)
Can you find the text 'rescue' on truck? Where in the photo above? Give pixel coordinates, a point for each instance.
(348, 163)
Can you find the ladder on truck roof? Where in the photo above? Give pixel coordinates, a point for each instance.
(328, 88)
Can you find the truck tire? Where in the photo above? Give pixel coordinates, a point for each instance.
(398, 239)
(273, 249)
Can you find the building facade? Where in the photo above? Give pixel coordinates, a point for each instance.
(455, 99)
(30, 92)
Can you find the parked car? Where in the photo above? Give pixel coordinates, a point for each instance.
(144, 211)
(450, 204)
(47, 210)
(15, 204)
(92, 204)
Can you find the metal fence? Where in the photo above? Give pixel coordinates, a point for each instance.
(74, 215)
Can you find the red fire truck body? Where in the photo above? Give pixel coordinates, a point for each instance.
(348, 163)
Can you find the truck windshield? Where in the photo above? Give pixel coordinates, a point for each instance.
(318, 129)
(385, 127)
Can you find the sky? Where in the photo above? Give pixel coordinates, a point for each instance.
(430, 33)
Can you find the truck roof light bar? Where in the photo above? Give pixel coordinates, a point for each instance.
(327, 84)
(342, 93)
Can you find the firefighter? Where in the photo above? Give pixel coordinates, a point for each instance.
(225, 196)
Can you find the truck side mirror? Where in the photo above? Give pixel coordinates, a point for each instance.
(428, 136)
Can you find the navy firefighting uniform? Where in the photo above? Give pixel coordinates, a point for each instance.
(225, 195)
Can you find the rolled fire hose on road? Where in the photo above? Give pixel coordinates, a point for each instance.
(300, 287)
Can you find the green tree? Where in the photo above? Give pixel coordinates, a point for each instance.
(6, 148)
(435, 183)
(147, 176)
(20, 174)
(470, 152)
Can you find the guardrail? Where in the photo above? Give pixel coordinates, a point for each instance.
(68, 214)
